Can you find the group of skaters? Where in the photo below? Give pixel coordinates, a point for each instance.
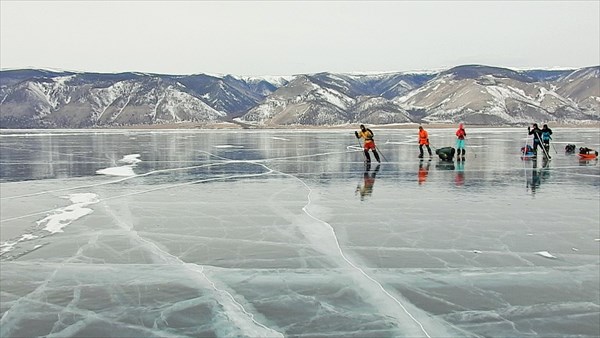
(541, 139)
(446, 153)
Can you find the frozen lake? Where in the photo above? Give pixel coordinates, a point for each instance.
(284, 233)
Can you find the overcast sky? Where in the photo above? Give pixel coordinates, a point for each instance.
(294, 37)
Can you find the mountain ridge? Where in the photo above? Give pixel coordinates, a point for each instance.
(474, 94)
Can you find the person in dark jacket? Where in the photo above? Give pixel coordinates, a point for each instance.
(537, 137)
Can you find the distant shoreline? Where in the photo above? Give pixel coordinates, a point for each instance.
(237, 126)
(226, 125)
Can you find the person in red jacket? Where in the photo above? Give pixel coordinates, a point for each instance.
(460, 141)
(423, 141)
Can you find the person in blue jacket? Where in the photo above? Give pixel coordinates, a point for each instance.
(546, 132)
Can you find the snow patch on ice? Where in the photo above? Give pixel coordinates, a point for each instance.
(224, 146)
(64, 216)
(8, 246)
(127, 170)
(131, 159)
(546, 254)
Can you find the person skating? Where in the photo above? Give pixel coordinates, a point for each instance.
(369, 142)
(537, 137)
(461, 134)
(546, 132)
(423, 141)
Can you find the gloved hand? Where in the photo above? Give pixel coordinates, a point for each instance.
(528, 129)
(356, 134)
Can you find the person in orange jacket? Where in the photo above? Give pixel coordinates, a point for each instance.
(423, 141)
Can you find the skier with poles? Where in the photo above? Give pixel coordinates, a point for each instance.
(537, 133)
(367, 135)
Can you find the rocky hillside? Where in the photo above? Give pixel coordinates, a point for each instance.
(473, 94)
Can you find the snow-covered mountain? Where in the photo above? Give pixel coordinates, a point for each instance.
(497, 96)
(474, 94)
(37, 98)
(333, 99)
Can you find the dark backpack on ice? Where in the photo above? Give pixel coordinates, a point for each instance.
(446, 153)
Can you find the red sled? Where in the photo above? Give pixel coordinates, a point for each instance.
(587, 156)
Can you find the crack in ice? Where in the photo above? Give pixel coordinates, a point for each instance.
(348, 261)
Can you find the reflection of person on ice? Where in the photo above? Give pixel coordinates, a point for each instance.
(367, 135)
(423, 172)
(368, 180)
(459, 180)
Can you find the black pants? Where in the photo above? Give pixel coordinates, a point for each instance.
(536, 144)
(374, 154)
(547, 146)
(421, 149)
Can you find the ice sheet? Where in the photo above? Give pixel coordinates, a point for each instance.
(288, 233)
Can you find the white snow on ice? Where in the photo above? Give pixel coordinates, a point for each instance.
(131, 159)
(224, 146)
(8, 246)
(546, 254)
(126, 170)
(64, 216)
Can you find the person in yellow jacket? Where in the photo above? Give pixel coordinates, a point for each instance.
(367, 135)
(423, 141)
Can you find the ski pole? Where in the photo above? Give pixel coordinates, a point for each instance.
(474, 153)
(361, 150)
(382, 155)
(542, 144)
(554, 147)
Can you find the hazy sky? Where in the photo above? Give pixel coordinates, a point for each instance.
(293, 37)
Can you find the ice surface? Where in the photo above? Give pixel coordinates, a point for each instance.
(286, 233)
